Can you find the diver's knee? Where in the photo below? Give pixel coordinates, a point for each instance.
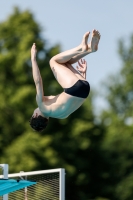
(52, 61)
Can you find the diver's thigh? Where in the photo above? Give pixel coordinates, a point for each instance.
(65, 77)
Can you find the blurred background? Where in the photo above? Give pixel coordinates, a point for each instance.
(95, 143)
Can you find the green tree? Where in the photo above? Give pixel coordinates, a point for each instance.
(118, 141)
(72, 143)
(17, 89)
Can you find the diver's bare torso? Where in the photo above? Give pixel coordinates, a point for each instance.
(60, 106)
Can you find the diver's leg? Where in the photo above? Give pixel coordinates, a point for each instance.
(65, 56)
(88, 48)
(59, 63)
(91, 47)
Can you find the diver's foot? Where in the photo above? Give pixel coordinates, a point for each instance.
(84, 43)
(93, 45)
(33, 52)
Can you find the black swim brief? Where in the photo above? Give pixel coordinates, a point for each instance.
(80, 89)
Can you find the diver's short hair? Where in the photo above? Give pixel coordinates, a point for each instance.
(38, 123)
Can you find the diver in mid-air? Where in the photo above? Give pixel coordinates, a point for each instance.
(76, 88)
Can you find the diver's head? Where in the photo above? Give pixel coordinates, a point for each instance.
(38, 121)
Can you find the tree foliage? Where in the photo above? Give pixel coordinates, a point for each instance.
(17, 89)
(118, 143)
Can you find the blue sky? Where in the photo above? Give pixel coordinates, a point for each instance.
(66, 21)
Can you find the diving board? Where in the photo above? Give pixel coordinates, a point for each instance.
(50, 184)
(11, 185)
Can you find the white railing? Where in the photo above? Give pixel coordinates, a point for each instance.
(21, 175)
